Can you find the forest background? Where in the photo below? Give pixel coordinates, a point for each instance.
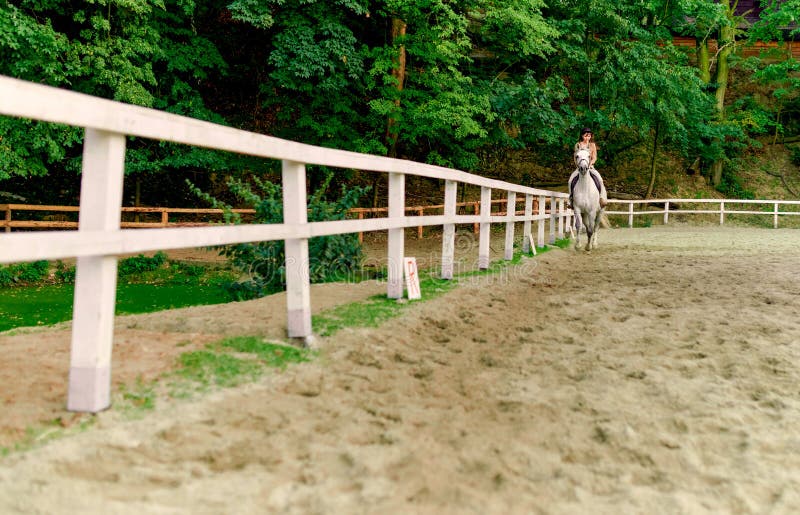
(500, 88)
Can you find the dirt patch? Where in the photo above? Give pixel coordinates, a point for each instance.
(656, 374)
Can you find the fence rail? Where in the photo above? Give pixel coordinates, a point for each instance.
(66, 217)
(670, 207)
(100, 239)
(667, 207)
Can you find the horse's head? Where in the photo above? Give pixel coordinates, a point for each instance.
(582, 159)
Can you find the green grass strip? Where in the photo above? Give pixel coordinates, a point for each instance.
(379, 308)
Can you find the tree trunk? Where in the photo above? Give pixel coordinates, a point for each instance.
(399, 73)
(651, 186)
(703, 59)
(725, 45)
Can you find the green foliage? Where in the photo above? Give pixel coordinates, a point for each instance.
(23, 273)
(146, 52)
(332, 258)
(795, 150)
(731, 186)
(479, 77)
(141, 263)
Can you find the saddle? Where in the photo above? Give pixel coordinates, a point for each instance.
(594, 178)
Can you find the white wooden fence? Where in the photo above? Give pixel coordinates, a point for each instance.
(715, 207)
(99, 239)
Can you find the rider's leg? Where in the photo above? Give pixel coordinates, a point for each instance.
(571, 183)
(603, 192)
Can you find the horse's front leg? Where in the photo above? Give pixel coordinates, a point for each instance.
(590, 230)
(577, 227)
(597, 221)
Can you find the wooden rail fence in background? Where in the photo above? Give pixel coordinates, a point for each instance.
(57, 217)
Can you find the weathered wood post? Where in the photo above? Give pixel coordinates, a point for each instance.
(511, 212)
(96, 276)
(484, 239)
(526, 227)
(540, 222)
(298, 278)
(449, 230)
(397, 211)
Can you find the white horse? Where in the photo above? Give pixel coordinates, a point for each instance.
(586, 202)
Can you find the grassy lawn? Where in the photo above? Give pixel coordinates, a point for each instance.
(50, 304)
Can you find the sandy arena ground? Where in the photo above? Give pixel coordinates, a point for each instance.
(658, 374)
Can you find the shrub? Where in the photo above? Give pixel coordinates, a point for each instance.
(731, 186)
(24, 273)
(795, 150)
(64, 273)
(140, 264)
(331, 257)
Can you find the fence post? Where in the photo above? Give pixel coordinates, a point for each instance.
(8, 218)
(511, 212)
(449, 230)
(666, 212)
(397, 210)
(775, 217)
(484, 239)
(526, 228)
(298, 278)
(561, 214)
(552, 220)
(540, 222)
(96, 276)
(721, 213)
(630, 214)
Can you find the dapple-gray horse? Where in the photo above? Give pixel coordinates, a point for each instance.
(586, 202)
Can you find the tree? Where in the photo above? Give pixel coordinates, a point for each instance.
(145, 52)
